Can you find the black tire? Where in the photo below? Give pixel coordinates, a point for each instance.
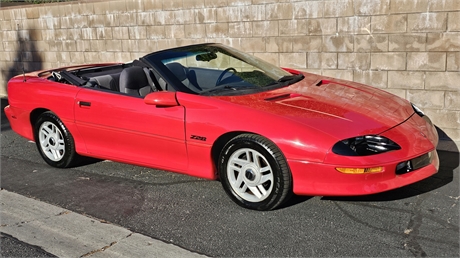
(56, 145)
(254, 172)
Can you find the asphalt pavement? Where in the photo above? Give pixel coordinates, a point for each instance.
(197, 217)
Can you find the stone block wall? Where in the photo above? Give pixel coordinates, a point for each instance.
(410, 48)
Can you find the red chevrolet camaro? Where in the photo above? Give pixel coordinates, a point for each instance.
(214, 112)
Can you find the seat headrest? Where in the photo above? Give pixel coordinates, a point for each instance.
(178, 70)
(133, 78)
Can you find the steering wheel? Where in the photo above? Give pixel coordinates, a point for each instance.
(223, 73)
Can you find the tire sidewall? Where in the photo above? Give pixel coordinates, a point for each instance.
(69, 149)
(267, 152)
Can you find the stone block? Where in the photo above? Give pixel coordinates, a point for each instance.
(174, 31)
(240, 29)
(140, 32)
(121, 56)
(452, 100)
(251, 45)
(354, 25)
(97, 45)
(409, 6)
(442, 81)
(293, 60)
(426, 61)
(326, 26)
(172, 4)
(48, 23)
(453, 24)
(6, 25)
(206, 15)
(338, 43)
(87, 33)
(118, 6)
(240, 2)
(308, 9)
(265, 28)
(397, 92)
(252, 12)
(216, 30)
(195, 30)
(292, 27)
(120, 33)
(407, 42)
(107, 56)
(356, 61)
(101, 7)
(322, 60)
(449, 41)
(371, 43)
(193, 4)
(184, 16)
(339, 74)
(32, 13)
(129, 46)
(152, 5)
(70, 45)
(371, 7)
(272, 58)
(49, 57)
(453, 61)
(338, 8)
(279, 11)
(82, 45)
(444, 118)
(307, 44)
(444, 6)
(377, 79)
(427, 22)
(227, 14)
(63, 58)
(145, 18)
(388, 61)
(91, 56)
(79, 8)
(426, 99)
(406, 80)
(164, 17)
(113, 45)
(95, 21)
(395, 23)
(278, 44)
(215, 3)
(126, 19)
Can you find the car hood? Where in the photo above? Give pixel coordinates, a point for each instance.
(339, 108)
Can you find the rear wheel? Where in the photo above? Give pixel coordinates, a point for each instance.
(254, 172)
(54, 141)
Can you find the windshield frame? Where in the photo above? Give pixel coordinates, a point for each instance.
(158, 60)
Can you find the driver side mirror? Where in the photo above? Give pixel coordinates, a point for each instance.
(161, 99)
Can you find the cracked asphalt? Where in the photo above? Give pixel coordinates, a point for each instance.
(419, 220)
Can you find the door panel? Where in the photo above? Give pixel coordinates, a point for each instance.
(124, 128)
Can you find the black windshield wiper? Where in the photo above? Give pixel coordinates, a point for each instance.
(227, 87)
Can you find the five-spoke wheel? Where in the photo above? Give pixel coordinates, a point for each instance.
(254, 172)
(54, 141)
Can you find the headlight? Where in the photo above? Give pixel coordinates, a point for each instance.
(417, 110)
(364, 146)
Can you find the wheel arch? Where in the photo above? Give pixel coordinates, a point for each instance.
(35, 114)
(219, 144)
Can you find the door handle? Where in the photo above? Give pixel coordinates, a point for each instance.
(84, 103)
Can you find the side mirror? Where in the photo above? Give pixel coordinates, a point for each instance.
(161, 99)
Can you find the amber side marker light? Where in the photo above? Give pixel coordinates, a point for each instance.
(360, 170)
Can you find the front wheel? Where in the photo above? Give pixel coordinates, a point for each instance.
(54, 141)
(254, 172)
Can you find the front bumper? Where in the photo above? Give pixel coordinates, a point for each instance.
(418, 139)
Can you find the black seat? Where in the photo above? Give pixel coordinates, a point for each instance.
(133, 81)
(188, 78)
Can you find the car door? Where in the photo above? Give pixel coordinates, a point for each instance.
(124, 128)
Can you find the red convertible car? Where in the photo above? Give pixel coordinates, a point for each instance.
(214, 112)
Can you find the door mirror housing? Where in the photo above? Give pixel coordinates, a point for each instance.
(161, 99)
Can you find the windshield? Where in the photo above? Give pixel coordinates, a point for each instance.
(213, 69)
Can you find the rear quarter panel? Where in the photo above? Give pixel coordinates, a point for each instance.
(39, 93)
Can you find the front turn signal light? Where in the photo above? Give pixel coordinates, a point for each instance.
(360, 170)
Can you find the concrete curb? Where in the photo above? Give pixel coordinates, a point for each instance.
(68, 234)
